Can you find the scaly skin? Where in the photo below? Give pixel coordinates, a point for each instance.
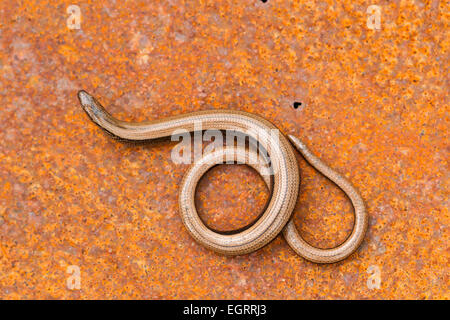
(283, 172)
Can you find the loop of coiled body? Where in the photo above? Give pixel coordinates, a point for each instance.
(283, 172)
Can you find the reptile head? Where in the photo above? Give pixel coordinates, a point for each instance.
(91, 106)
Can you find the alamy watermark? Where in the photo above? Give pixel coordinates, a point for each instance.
(74, 19)
(73, 282)
(252, 147)
(374, 18)
(374, 279)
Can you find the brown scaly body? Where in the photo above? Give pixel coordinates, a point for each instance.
(284, 173)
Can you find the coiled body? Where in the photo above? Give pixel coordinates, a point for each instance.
(280, 174)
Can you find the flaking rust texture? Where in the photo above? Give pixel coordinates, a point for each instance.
(374, 106)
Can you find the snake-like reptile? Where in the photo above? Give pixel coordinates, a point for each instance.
(283, 180)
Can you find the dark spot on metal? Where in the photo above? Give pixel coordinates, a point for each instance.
(296, 105)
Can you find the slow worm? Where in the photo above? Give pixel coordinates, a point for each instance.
(283, 178)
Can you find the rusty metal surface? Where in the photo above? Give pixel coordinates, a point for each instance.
(374, 106)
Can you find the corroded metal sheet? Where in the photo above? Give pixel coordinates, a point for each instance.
(74, 202)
